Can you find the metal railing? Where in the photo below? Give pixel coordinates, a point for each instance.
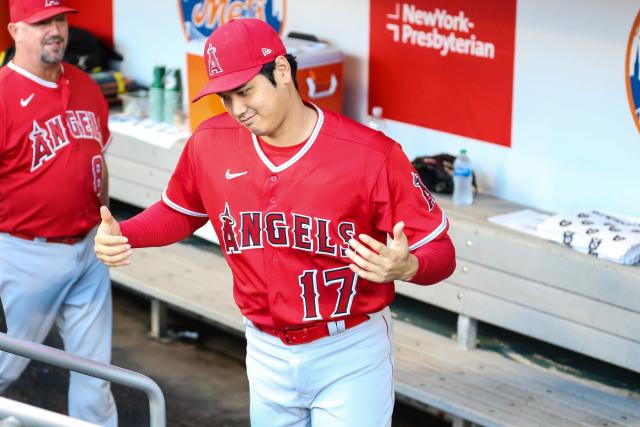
(18, 414)
(92, 368)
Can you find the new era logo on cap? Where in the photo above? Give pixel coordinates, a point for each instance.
(49, 3)
(236, 51)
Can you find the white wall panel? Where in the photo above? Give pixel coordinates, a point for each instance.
(574, 143)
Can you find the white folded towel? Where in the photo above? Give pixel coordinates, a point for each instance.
(606, 236)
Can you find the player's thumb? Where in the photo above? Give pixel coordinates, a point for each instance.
(398, 233)
(109, 224)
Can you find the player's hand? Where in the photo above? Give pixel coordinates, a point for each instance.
(380, 263)
(111, 246)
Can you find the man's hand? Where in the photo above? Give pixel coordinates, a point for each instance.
(381, 263)
(111, 246)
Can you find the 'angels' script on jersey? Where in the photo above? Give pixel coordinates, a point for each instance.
(297, 231)
(52, 135)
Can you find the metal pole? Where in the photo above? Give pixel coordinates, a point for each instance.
(104, 371)
(20, 414)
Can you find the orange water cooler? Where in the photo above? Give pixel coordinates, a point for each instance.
(320, 77)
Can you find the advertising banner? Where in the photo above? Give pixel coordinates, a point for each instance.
(201, 17)
(445, 65)
(633, 71)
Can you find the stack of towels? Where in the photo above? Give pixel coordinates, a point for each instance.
(605, 236)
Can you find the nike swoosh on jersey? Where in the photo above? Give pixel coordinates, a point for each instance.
(230, 175)
(25, 102)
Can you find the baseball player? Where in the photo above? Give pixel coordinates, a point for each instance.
(302, 200)
(53, 130)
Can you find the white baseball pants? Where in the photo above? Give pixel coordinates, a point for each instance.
(344, 380)
(45, 282)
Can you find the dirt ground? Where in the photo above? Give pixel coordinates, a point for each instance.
(203, 379)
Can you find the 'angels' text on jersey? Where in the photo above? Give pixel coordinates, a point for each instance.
(52, 135)
(301, 232)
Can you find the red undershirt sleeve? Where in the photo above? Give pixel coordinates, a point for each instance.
(437, 261)
(159, 225)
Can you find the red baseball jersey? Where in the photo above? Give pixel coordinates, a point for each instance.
(52, 136)
(284, 229)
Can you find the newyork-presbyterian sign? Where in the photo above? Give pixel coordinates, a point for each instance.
(445, 65)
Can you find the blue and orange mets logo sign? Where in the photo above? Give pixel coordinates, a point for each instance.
(632, 71)
(201, 17)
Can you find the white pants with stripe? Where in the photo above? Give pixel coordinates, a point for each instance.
(344, 380)
(42, 283)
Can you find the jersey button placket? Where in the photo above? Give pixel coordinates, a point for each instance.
(273, 179)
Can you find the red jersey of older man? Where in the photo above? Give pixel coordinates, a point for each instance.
(445, 65)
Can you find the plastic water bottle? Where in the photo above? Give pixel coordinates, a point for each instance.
(462, 179)
(375, 120)
(156, 95)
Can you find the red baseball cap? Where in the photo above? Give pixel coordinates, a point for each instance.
(32, 11)
(236, 51)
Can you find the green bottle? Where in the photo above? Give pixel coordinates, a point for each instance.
(172, 95)
(156, 94)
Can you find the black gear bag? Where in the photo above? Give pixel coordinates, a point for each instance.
(436, 172)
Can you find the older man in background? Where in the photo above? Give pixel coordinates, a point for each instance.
(53, 131)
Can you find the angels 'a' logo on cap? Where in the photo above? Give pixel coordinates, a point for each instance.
(265, 51)
(49, 3)
(214, 64)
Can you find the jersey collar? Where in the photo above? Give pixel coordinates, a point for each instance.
(299, 154)
(32, 76)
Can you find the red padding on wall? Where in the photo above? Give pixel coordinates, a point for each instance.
(94, 16)
(5, 38)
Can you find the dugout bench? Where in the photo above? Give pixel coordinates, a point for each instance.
(511, 280)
